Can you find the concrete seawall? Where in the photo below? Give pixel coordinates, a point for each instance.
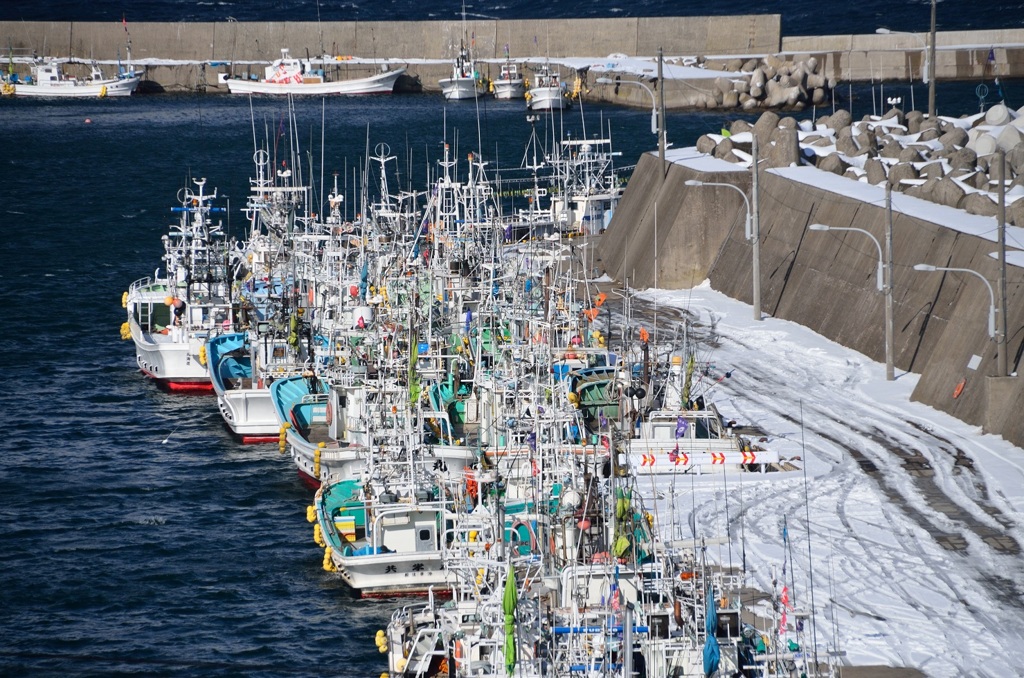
(197, 46)
(411, 40)
(827, 282)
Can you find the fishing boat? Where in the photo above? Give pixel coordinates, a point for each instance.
(686, 433)
(510, 83)
(386, 534)
(290, 75)
(465, 81)
(547, 91)
(170, 317)
(242, 366)
(48, 79)
(589, 186)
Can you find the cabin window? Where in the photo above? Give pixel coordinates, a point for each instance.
(424, 535)
(703, 428)
(663, 432)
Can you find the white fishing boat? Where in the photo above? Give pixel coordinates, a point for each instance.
(690, 435)
(290, 75)
(547, 91)
(48, 79)
(385, 535)
(589, 185)
(509, 83)
(465, 82)
(171, 317)
(242, 366)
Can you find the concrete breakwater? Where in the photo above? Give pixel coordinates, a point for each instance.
(425, 45)
(191, 56)
(827, 281)
(950, 162)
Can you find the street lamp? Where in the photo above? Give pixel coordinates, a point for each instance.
(657, 126)
(925, 78)
(991, 293)
(749, 232)
(880, 277)
(884, 286)
(746, 227)
(654, 106)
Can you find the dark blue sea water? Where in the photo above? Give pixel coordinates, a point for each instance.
(799, 17)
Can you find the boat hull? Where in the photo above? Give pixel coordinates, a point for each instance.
(383, 83)
(461, 88)
(509, 89)
(394, 574)
(249, 414)
(67, 89)
(546, 99)
(172, 360)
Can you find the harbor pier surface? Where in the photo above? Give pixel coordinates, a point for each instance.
(191, 56)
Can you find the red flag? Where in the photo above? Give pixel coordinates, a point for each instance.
(124, 22)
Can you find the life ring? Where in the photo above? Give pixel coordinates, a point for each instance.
(959, 388)
(529, 528)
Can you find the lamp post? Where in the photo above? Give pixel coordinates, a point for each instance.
(657, 122)
(991, 306)
(928, 72)
(749, 232)
(884, 284)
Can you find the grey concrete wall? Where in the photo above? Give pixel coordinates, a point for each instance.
(826, 280)
(690, 229)
(410, 39)
(422, 40)
(960, 55)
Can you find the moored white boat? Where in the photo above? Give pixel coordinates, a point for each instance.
(547, 92)
(690, 436)
(510, 83)
(384, 538)
(590, 186)
(465, 82)
(237, 364)
(48, 79)
(170, 317)
(289, 75)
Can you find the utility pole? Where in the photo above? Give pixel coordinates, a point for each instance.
(931, 68)
(661, 112)
(890, 370)
(1001, 326)
(756, 236)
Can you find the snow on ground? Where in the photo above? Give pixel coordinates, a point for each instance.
(915, 517)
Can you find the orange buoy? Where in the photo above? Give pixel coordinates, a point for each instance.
(959, 388)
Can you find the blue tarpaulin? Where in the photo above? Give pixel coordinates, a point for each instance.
(712, 653)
